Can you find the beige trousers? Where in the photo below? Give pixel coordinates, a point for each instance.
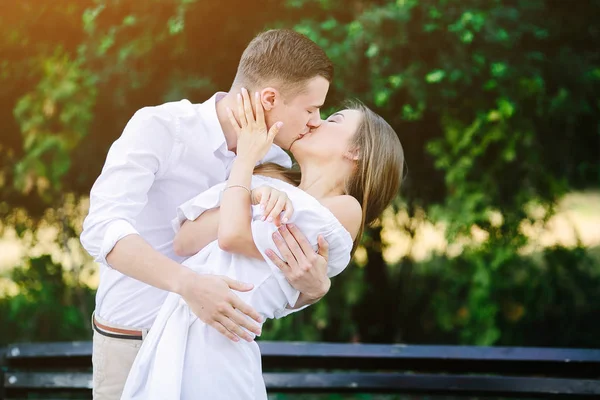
(112, 359)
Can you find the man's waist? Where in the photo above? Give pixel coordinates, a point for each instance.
(128, 302)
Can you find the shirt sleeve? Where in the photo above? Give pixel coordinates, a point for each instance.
(194, 207)
(278, 156)
(134, 161)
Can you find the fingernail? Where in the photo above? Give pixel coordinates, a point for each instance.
(279, 124)
(291, 225)
(270, 219)
(236, 339)
(284, 220)
(244, 89)
(256, 94)
(283, 227)
(239, 96)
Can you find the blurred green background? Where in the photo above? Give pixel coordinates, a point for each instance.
(495, 237)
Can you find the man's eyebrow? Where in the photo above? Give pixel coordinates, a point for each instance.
(319, 106)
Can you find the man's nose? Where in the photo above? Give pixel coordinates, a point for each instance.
(315, 122)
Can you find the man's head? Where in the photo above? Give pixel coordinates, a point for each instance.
(292, 75)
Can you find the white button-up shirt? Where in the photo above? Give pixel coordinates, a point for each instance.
(166, 155)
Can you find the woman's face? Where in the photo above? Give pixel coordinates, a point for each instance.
(331, 140)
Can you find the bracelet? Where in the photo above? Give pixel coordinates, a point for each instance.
(240, 186)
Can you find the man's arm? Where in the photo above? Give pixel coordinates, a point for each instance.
(134, 161)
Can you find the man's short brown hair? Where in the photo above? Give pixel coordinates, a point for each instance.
(285, 57)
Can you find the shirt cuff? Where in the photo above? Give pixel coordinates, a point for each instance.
(116, 231)
(288, 311)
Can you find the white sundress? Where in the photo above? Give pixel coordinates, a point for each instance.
(184, 358)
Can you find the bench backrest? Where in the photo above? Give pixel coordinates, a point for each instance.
(360, 368)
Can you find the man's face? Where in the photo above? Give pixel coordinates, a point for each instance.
(299, 113)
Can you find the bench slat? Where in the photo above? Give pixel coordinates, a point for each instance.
(580, 363)
(348, 350)
(356, 383)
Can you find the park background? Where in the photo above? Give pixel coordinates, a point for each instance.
(495, 237)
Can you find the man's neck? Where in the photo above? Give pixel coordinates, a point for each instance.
(229, 100)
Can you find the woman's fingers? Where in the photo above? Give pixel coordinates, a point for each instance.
(248, 107)
(233, 121)
(274, 131)
(260, 112)
(273, 199)
(275, 214)
(288, 211)
(240, 110)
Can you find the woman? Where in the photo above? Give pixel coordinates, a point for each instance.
(351, 168)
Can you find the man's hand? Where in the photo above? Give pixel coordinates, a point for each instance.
(210, 297)
(303, 268)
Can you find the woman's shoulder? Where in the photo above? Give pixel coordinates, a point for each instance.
(347, 210)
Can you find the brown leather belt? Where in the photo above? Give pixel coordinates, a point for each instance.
(118, 333)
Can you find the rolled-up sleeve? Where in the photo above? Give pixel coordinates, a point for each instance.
(134, 161)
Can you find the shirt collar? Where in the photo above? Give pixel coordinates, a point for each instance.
(208, 112)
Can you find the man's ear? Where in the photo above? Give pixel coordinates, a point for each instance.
(269, 97)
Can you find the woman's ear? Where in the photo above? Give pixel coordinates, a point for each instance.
(269, 97)
(352, 155)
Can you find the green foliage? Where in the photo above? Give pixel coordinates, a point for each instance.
(47, 306)
(496, 104)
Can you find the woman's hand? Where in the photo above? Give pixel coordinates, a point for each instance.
(273, 202)
(254, 141)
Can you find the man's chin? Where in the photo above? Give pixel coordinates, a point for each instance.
(291, 144)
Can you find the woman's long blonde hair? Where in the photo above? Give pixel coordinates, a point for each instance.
(379, 168)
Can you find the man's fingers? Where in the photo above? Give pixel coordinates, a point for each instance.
(284, 250)
(323, 247)
(240, 305)
(237, 285)
(300, 239)
(248, 106)
(240, 316)
(282, 265)
(241, 113)
(224, 331)
(292, 243)
(235, 328)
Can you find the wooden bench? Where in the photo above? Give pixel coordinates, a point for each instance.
(63, 370)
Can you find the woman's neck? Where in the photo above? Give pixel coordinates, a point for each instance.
(318, 182)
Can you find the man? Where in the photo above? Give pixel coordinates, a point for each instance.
(165, 156)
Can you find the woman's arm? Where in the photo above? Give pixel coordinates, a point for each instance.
(233, 222)
(194, 235)
(234, 231)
